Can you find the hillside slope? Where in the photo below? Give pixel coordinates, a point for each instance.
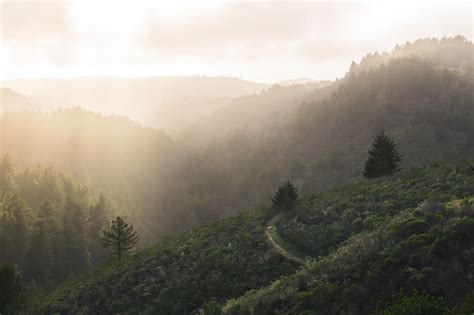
(10, 100)
(221, 260)
(358, 223)
(382, 239)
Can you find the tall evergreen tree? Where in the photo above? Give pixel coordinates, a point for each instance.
(77, 256)
(38, 260)
(384, 158)
(97, 219)
(50, 216)
(120, 238)
(14, 228)
(7, 183)
(285, 197)
(11, 289)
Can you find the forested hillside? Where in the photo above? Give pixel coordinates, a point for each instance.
(10, 100)
(374, 240)
(50, 224)
(171, 185)
(153, 101)
(454, 53)
(258, 115)
(364, 242)
(429, 111)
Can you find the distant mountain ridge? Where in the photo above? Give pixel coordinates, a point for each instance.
(298, 81)
(141, 99)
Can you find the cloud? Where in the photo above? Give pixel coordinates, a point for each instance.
(264, 41)
(35, 34)
(249, 29)
(34, 20)
(312, 31)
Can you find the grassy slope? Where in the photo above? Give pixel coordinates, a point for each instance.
(400, 242)
(221, 260)
(352, 227)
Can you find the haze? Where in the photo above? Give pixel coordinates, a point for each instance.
(258, 41)
(228, 158)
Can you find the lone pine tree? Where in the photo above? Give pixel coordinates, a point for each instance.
(285, 197)
(120, 238)
(384, 158)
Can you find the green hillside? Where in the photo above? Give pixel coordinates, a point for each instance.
(221, 260)
(415, 232)
(366, 241)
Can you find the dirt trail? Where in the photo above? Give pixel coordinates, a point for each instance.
(279, 248)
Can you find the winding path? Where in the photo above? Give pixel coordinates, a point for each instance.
(280, 248)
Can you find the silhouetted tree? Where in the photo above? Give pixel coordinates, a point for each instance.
(38, 259)
(97, 219)
(6, 175)
(77, 256)
(11, 289)
(384, 158)
(120, 238)
(285, 197)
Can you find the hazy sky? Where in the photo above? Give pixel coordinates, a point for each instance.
(260, 41)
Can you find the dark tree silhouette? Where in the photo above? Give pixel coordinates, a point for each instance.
(285, 197)
(11, 289)
(120, 238)
(97, 219)
(384, 158)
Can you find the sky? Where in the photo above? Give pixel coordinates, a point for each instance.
(262, 41)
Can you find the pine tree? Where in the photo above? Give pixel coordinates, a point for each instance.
(285, 197)
(39, 259)
(120, 238)
(7, 182)
(77, 256)
(11, 289)
(97, 220)
(14, 228)
(51, 216)
(383, 159)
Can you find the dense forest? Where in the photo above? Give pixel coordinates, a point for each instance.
(50, 225)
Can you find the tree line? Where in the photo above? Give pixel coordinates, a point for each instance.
(52, 227)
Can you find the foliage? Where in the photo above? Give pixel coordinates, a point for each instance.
(403, 242)
(120, 239)
(47, 224)
(285, 197)
(467, 307)
(211, 307)
(414, 303)
(383, 159)
(11, 290)
(413, 244)
(180, 274)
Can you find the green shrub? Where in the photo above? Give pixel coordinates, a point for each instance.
(413, 303)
